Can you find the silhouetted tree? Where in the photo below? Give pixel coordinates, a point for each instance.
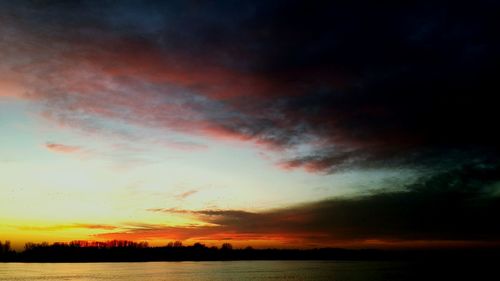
(6, 251)
(198, 245)
(6, 247)
(226, 247)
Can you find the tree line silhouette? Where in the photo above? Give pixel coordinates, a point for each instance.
(122, 250)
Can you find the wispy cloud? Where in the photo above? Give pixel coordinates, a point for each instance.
(186, 194)
(62, 148)
(68, 226)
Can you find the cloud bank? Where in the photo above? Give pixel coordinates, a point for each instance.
(332, 85)
(456, 207)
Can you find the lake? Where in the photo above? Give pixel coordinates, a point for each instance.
(220, 271)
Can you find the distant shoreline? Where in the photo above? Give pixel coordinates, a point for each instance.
(193, 254)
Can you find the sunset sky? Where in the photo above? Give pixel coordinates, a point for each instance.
(284, 124)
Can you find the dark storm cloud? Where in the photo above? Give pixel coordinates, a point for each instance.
(365, 83)
(418, 81)
(460, 205)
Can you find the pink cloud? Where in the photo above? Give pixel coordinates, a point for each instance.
(62, 148)
(139, 84)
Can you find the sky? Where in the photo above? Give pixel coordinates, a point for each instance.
(289, 124)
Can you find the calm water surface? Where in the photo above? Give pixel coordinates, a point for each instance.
(220, 271)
